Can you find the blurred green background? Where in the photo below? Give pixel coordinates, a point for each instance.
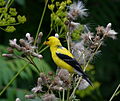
(107, 63)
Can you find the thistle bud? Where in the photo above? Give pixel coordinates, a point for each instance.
(10, 50)
(39, 37)
(49, 97)
(31, 96)
(17, 99)
(8, 55)
(56, 35)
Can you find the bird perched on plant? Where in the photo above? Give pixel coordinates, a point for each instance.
(63, 58)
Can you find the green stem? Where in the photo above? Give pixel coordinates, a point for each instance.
(114, 94)
(2, 29)
(60, 96)
(63, 97)
(6, 6)
(40, 22)
(46, 38)
(10, 82)
(10, 24)
(68, 94)
(32, 62)
(43, 49)
(92, 56)
(10, 3)
(76, 87)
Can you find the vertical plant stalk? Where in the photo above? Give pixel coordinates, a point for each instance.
(76, 87)
(14, 77)
(41, 22)
(85, 68)
(63, 97)
(114, 94)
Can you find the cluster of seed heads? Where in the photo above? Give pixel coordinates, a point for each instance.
(26, 46)
(47, 83)
(89, 42)
(52, 83)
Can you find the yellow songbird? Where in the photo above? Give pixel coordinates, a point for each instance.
(63, 58)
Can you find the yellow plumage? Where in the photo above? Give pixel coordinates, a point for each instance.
(54, 44)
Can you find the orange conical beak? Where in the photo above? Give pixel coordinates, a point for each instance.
(45, 43)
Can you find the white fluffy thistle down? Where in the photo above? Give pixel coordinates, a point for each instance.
(77, 9)
(83, 84)
(109, 32)
(13, 42)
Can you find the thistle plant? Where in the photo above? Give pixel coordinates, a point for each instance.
(83, 44)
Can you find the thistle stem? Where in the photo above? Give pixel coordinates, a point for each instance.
(32, 62)
(76, 87)
(114, 94)
(43, 49)
(63, 99)
(40, 22)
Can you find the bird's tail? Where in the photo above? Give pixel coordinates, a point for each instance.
(84, 75)
(87, 79)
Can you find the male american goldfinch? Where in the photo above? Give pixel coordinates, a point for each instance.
(63, 58)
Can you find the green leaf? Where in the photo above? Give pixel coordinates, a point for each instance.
(42, 65)
(11, 92)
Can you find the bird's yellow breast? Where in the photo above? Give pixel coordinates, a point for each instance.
(60, 63)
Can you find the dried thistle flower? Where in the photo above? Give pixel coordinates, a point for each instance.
(49, 97)
(110, 33)
(26, 46)
(45, 79)
(10, 50)
(107, 32)
(31, 96)
(39, 81)
(17, 99)
(77, 9)
(54, 88)
(73, 25)
(39, 37)
(37, 89)
(58, 81)
(13, 44)
(64, 75)
(30, 39)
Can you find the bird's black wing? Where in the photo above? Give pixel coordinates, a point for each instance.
(72, 61)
